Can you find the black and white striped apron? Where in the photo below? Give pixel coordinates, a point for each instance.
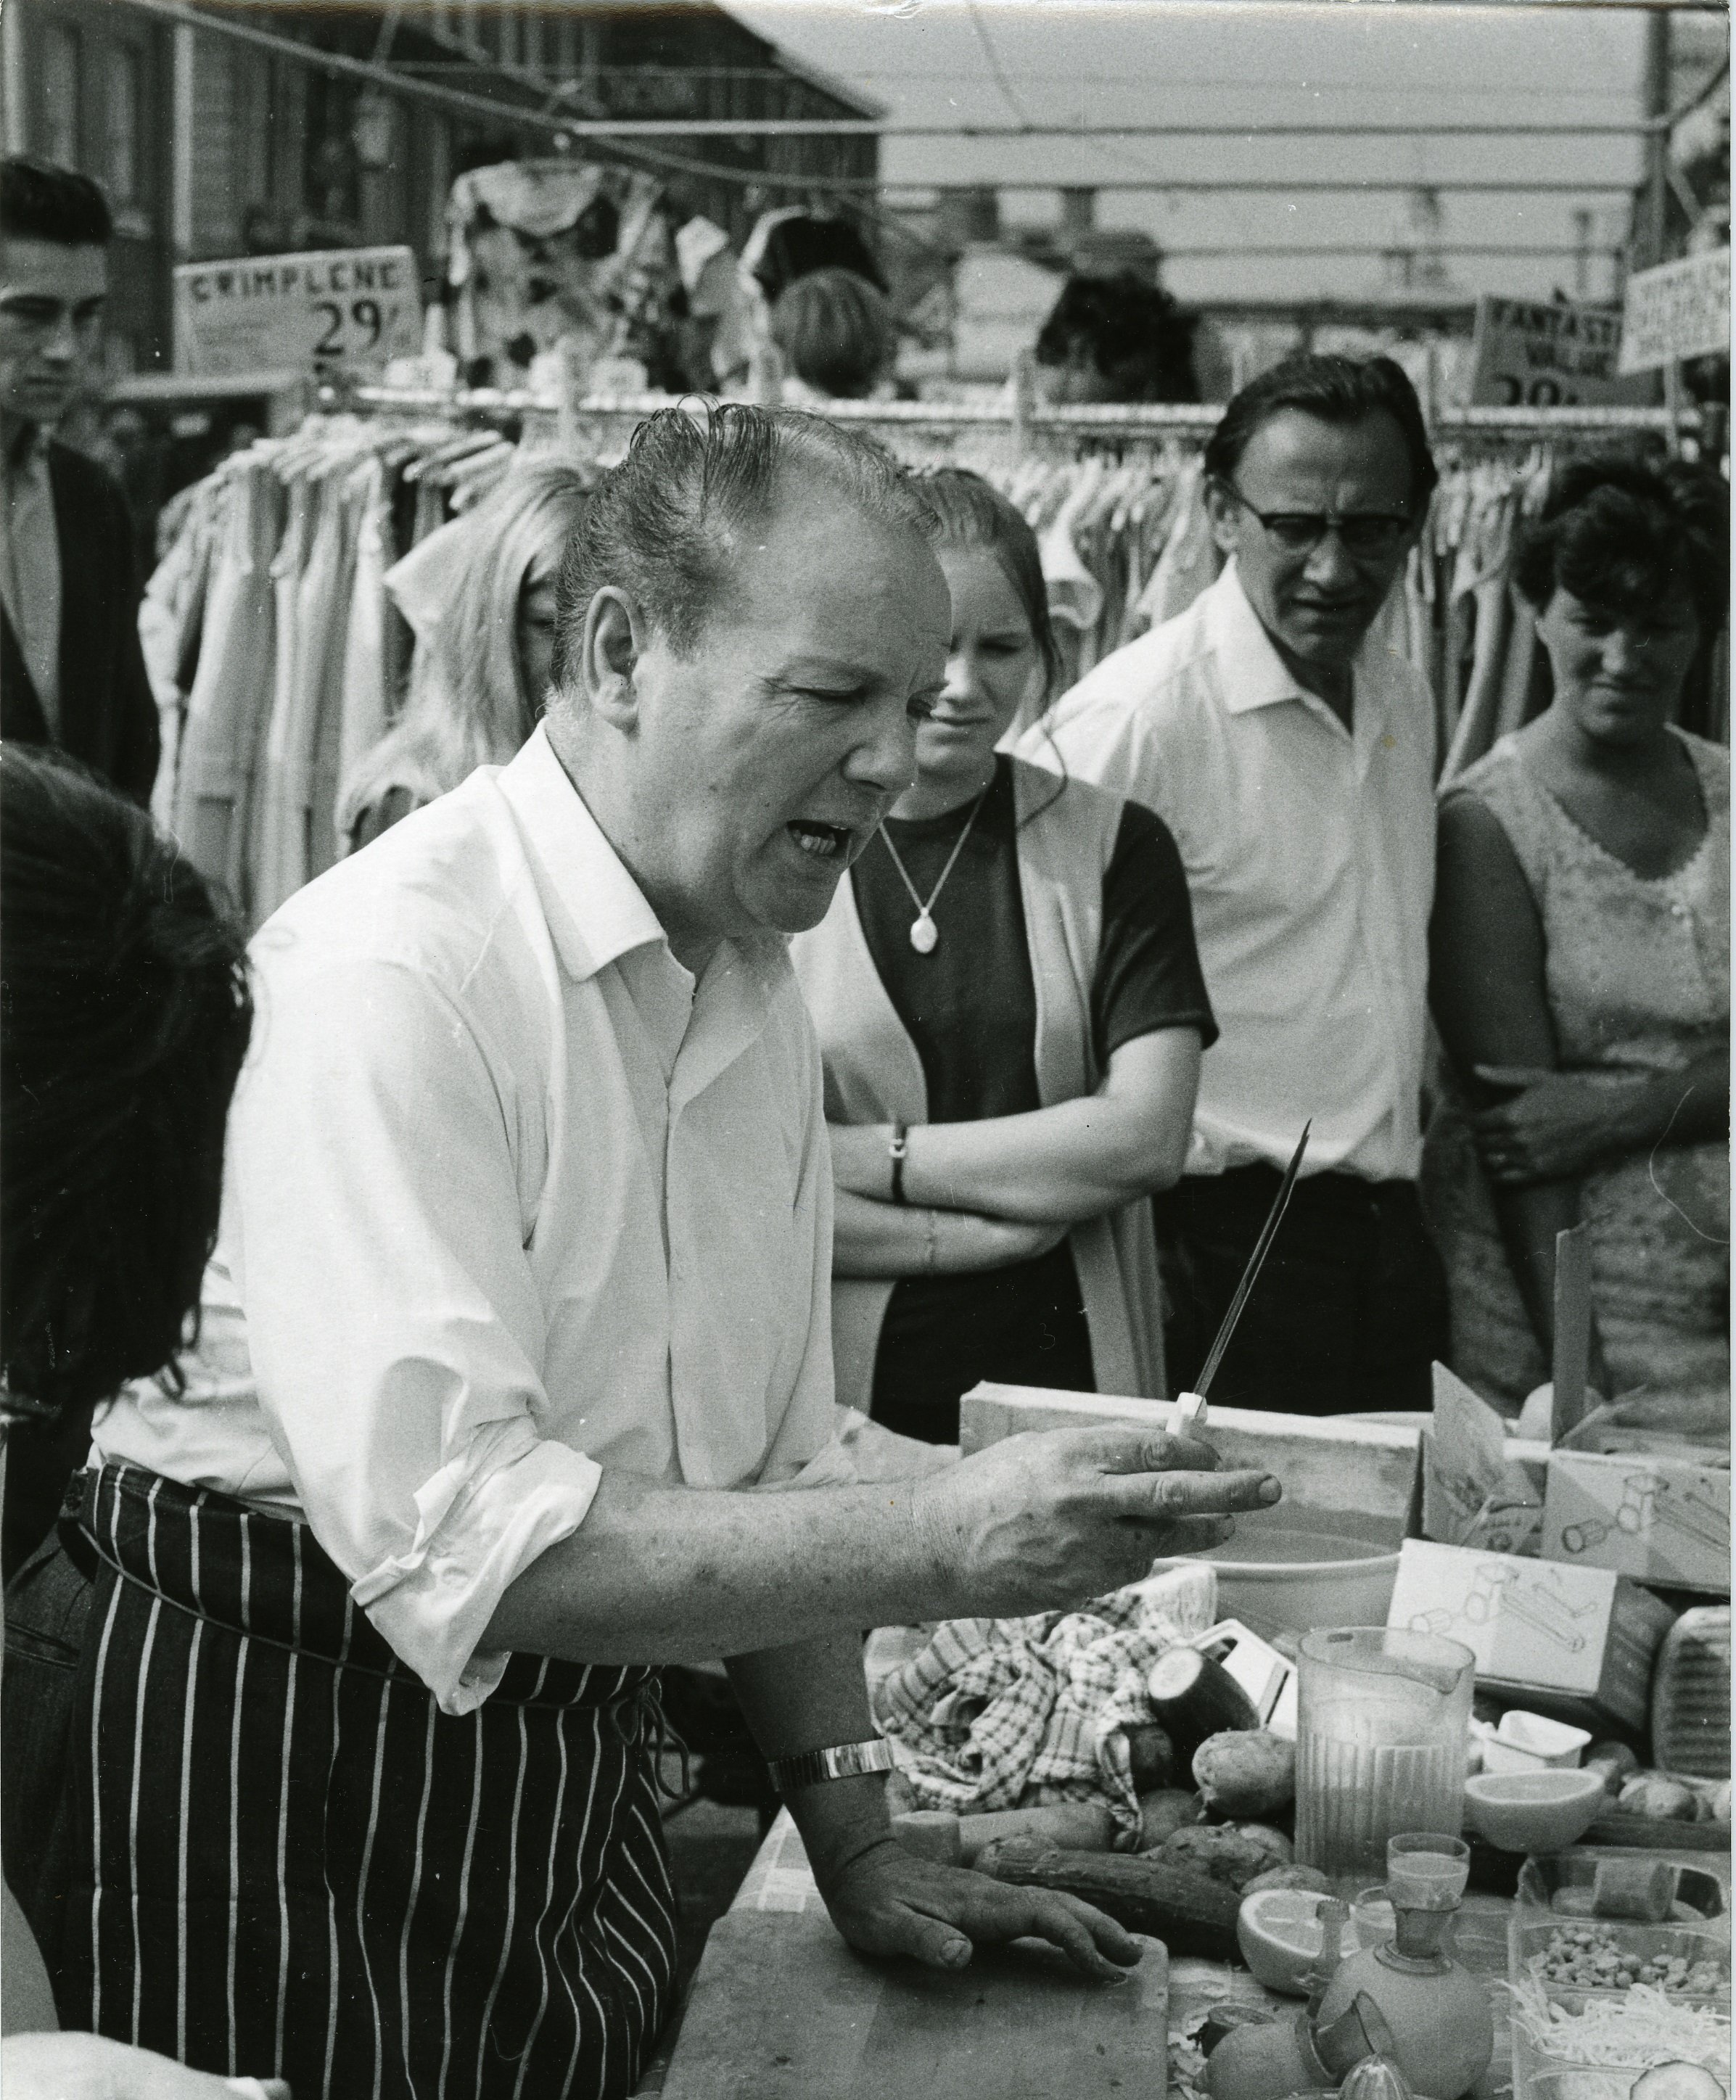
(291, 1864)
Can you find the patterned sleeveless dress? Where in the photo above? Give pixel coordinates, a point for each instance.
(1638, 978)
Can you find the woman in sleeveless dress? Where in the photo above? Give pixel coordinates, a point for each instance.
(1581, 968)
(1011, 1014)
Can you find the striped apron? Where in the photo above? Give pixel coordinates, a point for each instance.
(290, 1863)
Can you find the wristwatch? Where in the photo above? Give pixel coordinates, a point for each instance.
(842, 1761)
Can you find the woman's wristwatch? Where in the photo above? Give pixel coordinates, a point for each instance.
(842, 1761)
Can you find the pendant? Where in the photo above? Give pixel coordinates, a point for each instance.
(924, 935)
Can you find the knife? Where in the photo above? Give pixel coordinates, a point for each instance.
(1190, 1407)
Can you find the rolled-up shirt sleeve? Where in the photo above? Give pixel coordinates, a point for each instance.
(374, 1219)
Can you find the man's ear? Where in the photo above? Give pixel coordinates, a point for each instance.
(1226, 514)
(608, 659)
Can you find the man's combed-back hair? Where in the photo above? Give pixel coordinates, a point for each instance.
(662, 526)
(40, 201)
(1336, 390)
(124, 1019)
(1622, 536)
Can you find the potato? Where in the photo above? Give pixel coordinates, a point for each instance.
(1615, 1761)
(1245, 1772)
(1166, 1809)
(1227, 1853)
(1152, 1758)
(1658, 1800)
(1280, 1851)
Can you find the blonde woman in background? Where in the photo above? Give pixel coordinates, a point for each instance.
(483, 650)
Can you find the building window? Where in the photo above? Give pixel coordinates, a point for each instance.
(125, 105)
(60, 95)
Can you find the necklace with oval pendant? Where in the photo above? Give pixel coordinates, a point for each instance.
(924, 935)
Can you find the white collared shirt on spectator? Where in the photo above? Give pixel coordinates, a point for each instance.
(1309, 855)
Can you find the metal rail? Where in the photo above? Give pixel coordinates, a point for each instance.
(1155, 419)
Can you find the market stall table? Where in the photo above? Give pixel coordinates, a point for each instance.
(780, 2006)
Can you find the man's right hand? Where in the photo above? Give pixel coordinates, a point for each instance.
(1041, 1521)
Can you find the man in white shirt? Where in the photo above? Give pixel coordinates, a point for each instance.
(1291, 753)
(529, 1213)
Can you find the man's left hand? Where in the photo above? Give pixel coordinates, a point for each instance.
(888, 1901)
(1553, 1126)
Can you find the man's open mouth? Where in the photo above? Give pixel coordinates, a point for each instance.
(822, 842)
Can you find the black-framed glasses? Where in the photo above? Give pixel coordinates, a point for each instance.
(1366, 532)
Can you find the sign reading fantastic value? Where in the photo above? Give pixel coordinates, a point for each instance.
(1678, 310)
(1532, 355)
(343, 309)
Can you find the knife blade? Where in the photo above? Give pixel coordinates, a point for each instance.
(1256, 1261)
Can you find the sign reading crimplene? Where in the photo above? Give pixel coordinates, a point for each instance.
(335, 310)
(1678, 310)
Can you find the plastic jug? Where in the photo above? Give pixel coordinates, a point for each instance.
(1383, 1723)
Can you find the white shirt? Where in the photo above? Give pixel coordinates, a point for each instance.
(30, 565)
(1310, 854)
(509, 1198)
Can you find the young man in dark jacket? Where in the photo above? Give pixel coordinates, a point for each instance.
(72, 672)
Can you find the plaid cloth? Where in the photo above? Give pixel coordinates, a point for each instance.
(1015, 1713)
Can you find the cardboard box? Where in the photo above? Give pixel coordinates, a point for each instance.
(1657, 1517)
(1356, 1478)
(1575, 1641)
(1660, 1515)
(1481, 1487)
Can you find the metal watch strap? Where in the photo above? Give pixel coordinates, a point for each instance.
(842, 1761)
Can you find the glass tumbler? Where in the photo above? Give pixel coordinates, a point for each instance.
(1382, 1725)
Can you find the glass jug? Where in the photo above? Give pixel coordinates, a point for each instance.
(1382, 1724)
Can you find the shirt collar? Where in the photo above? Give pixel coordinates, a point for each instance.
(596, 912)
(1255, 675)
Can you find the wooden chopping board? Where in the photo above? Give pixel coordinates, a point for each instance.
(782, 2009)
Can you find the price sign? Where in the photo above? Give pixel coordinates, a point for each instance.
(1678, 310)
(347, 310)
(1528, 354)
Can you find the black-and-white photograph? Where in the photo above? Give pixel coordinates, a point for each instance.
(864, 1049)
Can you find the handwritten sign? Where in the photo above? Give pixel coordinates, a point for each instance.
(1530, 354)
(338, 310)
(1678, 310)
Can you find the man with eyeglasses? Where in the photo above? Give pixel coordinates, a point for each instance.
(72, 672)
(1289, 747)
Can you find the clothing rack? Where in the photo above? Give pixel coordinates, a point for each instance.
(1023, 416)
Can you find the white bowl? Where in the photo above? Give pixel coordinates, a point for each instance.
(1283, 1578)
(1534, 1811)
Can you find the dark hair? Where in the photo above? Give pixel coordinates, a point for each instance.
(39, 201)
(795, 248)
(1617, 533)
(1138, 337)
(659, 525)
(968, 512)
(1337, 390)
(124, 1018)
(837, 330)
